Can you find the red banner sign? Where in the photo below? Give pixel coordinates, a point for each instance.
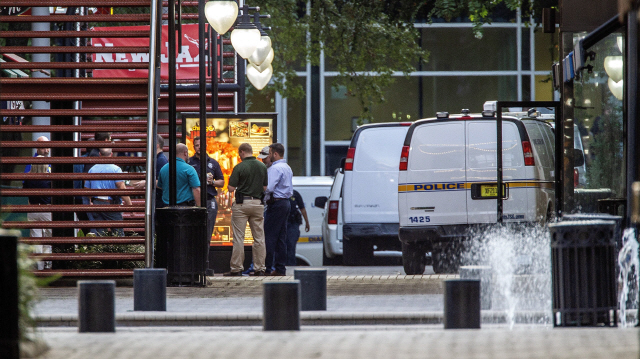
(187, 60)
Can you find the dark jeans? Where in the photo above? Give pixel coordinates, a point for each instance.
(275, 232)
(106, 216)
(212, 213)
(293, 233)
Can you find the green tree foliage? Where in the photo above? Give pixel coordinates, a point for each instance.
(365, 40)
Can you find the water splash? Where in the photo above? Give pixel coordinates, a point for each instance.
(628, 276)
(520, 259)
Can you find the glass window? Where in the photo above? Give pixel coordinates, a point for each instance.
(459, 50)
(402, 104)
(368, 155)
(296, 127)
(452, 93)
(546, 50)
(598, 126)
(438, 146)
(482, 145)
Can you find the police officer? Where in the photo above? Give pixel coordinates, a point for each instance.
(298, 212)
(215, 178)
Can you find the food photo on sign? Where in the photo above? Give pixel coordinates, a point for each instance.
(224, 134)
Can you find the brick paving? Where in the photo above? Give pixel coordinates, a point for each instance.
(343, 342)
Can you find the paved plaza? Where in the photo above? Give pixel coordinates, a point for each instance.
(373, 316)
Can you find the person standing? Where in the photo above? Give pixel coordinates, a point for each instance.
(107, 200)
(248, 180)
(279, 189)
(40, 152)
(187, 181)
(161, 160)
(297, 213)
(215, 178)
(39, 216)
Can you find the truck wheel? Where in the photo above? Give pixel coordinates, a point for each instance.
(357, 252)
(413, 259)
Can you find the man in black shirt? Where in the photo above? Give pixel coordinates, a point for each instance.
(215, 178)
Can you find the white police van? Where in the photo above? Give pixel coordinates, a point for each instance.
(447, 181)
(369, 192)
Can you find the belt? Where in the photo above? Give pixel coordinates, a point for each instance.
(278, 199)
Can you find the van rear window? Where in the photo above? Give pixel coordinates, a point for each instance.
(482, 145)
(378, 148)
(438, 146)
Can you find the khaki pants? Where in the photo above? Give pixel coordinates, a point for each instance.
(253, 212)
(40, 232)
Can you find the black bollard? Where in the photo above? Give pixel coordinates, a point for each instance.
(150, 289)
(9, 332)
(462, 304)
(96, 306)
(313, 288)
(281, 305)
(484, 274)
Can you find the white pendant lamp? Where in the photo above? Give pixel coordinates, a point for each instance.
(266, 63)
(262, 51)
(613, 65)
(221, 15)
(245, 41)
(259, 79)
(616, 88)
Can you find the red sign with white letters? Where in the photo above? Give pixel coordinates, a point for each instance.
(187, 59)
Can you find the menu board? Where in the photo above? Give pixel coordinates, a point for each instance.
(224, 134)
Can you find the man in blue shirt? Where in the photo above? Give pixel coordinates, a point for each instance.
(107, 200)
(187, 182)
(279, 189)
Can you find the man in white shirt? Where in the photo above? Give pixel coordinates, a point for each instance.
(279, 189)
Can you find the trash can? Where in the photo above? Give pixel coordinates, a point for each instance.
(9, 332)
(583, 273)
(181, 245)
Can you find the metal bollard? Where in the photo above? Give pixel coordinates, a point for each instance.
(9, 332)
(313, 288)
(484, 274)
(96, 306)
(281, 305)
(462, 304)
(150, 289)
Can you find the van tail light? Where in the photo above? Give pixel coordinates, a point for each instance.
(348, 163)
(528, 154)
(576, 178)
(404, 158)
(333, 212)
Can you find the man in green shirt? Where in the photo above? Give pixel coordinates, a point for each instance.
(248, 180)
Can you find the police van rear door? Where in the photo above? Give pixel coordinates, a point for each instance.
(435, 176)
(482, 173)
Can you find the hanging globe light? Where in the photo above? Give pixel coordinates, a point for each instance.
(221, 15)
(613, 65)
(262, 51)
(259, 79)
(245, 37)
(266, 63)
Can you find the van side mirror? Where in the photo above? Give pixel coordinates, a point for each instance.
(320, 202)
(578, 157)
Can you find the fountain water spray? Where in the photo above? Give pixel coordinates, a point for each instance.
(628, 276)
(520, 259)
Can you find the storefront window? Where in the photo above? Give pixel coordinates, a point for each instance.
(452, 93)
(296, 129)
(598, 126)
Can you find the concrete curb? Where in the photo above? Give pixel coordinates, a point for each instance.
(307, 318)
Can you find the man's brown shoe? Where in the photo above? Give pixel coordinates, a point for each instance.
(233, 274)
(259, 273)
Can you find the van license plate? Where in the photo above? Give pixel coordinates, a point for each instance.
(491, 191)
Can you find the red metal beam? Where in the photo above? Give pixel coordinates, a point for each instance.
(83, 240)
(71, 128)
(100, 3)
(75, 65)
(84, 272)
(29, 208)
(78, 18)
(70, 224)
(88, 256)
(73, 34)
(25, 192)
(70, 177)
(124, 160)
(72, 49)
(75, 144)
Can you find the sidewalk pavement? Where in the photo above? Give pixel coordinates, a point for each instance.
(365, 342)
